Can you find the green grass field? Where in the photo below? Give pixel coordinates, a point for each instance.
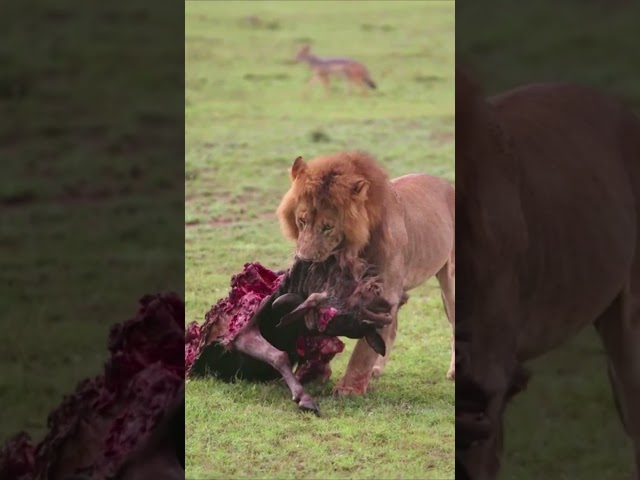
(247, 120)
(565, 425)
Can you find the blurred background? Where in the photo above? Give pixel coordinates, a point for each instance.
(91, 193)
(565, 425)
(249, 113)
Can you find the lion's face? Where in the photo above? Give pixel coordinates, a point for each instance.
(320, 231)
(332, 206)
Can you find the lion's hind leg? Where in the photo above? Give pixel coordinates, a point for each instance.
(619, 328)
(447, 279)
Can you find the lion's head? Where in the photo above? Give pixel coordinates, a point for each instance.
(333, 205)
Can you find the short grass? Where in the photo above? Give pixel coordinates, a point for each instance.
(565, 425)
(247, 119)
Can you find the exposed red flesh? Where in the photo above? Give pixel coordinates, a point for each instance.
(231, 314)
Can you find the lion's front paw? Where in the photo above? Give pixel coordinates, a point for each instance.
(346, 388)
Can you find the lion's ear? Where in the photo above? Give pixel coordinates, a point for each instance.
(360, 188)
(298, 168)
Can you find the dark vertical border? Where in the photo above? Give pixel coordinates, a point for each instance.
(566, 424)
(91, 204)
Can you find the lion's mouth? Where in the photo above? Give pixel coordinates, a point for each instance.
(321, 258)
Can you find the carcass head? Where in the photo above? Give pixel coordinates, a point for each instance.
(360, 315)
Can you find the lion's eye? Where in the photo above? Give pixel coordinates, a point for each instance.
(301, 223)
(327, 228)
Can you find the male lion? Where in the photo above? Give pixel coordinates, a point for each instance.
(345, 205)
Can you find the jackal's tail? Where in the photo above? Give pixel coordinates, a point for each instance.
(370, 82)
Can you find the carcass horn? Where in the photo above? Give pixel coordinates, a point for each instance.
(312, 302)
(376, 342)
(379, 320)
(290, 301)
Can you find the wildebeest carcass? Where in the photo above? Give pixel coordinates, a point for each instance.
(161, 456)
(548, 207)
(271, 321)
